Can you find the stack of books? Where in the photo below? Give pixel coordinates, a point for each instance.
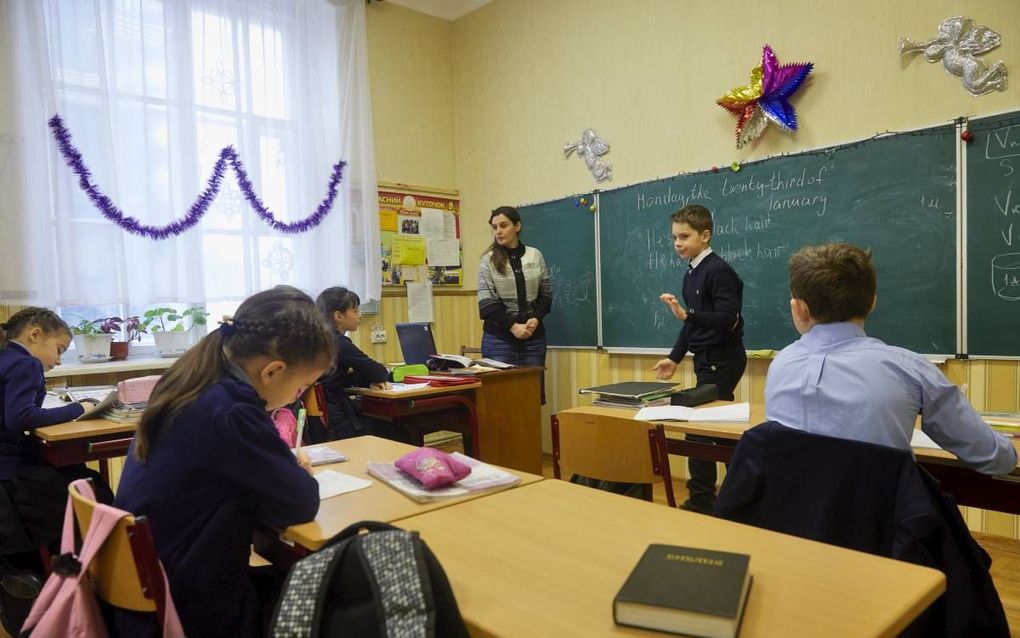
(124, 403)
(631, 394)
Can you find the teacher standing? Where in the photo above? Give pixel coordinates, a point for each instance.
(514, 295)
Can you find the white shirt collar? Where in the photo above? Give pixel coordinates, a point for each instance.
(701, 257)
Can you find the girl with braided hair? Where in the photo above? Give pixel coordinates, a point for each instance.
(207, 465)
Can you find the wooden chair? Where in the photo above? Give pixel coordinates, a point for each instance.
(611, 449)
(126, 572)
(470, 350)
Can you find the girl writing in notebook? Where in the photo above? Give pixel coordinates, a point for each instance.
(31, 343)
(207, 466)
(342, 309)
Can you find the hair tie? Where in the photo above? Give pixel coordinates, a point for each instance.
(227, 326)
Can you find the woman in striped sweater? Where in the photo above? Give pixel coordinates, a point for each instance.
(514, 294)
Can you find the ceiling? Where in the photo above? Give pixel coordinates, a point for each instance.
(446, 9)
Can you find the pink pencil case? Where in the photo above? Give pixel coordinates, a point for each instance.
(432, 468)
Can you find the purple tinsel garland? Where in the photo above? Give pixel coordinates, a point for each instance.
(110, 211)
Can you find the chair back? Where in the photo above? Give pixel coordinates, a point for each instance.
(311, 400)
(126, 572)
(466, 350)
(611, 448)
(410, 369)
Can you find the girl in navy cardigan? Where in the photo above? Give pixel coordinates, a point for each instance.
(207, 466)
(31, 343)
(353, 368)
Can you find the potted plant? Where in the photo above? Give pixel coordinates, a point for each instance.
(168, 328)
(132, 329)
(92, 339)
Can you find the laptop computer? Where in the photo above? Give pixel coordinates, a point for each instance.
(416, 341)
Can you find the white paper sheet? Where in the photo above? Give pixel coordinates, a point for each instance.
(920, 439)
(335, 483)
(444, 252)
(738, 412)
(432, 225)
(419, 302)
(407, 387)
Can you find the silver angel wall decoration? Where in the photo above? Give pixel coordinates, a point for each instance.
(590, 148)
(958, 44)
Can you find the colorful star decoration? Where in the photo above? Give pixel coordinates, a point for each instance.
(765, 99)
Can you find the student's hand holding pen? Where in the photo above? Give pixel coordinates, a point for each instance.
(674, 306)
(303, 460)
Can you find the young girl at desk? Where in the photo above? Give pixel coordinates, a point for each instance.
(35, 493)
(207, 466)
(342, 309)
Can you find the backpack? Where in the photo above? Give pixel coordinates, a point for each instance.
(67, 605)
(386, 583)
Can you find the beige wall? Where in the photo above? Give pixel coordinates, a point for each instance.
(411, 71)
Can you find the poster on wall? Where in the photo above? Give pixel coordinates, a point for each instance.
(420, 237)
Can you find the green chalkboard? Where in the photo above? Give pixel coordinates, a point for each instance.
(564, 231)
(993, 236)
(895, 195)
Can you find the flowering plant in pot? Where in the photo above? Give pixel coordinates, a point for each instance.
(168, 328)
(132, 329)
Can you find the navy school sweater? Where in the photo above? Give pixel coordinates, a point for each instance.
(715, 294)
(215, 473)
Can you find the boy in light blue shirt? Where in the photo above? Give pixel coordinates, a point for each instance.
(836, 381)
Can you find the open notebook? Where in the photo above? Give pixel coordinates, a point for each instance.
(740, 412)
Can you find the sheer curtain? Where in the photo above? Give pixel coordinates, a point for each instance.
(151, 91)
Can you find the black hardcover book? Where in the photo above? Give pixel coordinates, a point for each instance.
(683, 590)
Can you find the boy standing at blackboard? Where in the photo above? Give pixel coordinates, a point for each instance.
(713, 330)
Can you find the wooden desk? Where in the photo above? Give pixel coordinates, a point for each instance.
(548, 558)
(510, 418)
(81, 441)
(507, 408)
(970, 488)
(402, 407)
(380, 502)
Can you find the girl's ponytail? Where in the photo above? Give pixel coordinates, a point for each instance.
(197, 369)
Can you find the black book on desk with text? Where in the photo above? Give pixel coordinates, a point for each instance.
(684, 590)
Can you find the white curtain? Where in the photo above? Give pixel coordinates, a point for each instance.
(151, 91)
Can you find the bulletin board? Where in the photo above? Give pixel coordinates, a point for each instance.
(420, 236)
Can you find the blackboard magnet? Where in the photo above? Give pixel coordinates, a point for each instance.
(962, 355)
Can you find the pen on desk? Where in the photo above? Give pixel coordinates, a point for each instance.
(301, 414)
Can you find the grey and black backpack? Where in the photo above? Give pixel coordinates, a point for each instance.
(384, 583)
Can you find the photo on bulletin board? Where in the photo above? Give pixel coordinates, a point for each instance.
(420, 238)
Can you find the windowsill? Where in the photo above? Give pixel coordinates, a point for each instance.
(130, 364)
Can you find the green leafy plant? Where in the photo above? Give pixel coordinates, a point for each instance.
(171, 320)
